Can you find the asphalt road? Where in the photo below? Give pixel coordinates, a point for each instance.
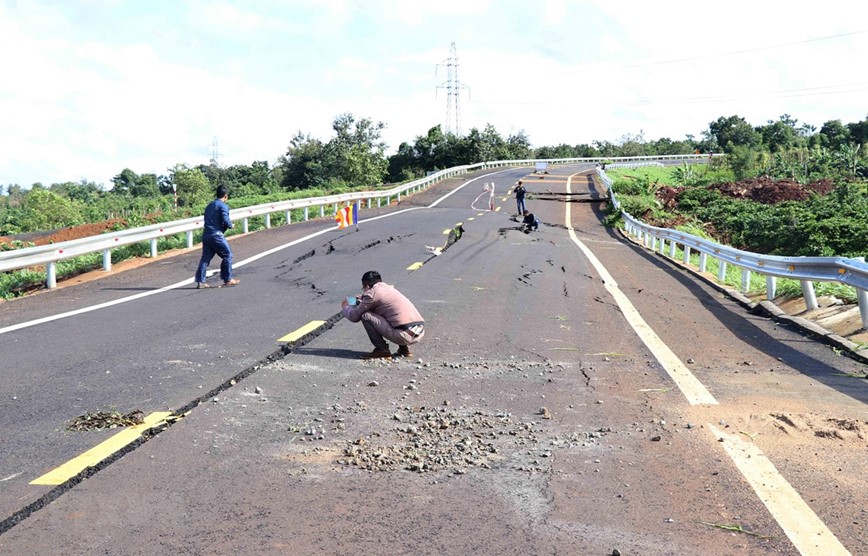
(534, 418)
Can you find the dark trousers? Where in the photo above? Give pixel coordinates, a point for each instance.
(215, 245)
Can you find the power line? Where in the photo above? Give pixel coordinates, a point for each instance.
(785, 93)
(746, 51)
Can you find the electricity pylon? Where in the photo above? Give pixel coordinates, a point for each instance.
(453, 92)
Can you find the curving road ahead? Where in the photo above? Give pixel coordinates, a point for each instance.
(573, 395)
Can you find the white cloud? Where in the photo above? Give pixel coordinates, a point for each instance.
(85, 97)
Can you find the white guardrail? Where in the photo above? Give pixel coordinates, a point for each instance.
(807, 270)
(49, 255)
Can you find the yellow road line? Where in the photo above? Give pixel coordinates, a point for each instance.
(497, 209)
(298, 333)
(693, 390)
(100, 452)
(805, 530)
(415, 266)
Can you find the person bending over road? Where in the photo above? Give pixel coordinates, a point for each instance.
(386, 315)
(530, 222)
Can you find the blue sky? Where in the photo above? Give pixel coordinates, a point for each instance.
(90, 87)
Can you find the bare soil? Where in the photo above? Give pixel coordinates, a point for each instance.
(762, 190)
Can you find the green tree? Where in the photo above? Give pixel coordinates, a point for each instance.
(782, 134)
(518, 146)
(858, 132)
(833, 134)
(192, 185)
(403, 165)
(45, 210)
(14, 195)
(742, 161)
(848, 155)
(733, 131)
(303, 164)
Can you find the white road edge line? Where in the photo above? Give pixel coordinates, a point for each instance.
(239, 264)
(805, 530)
(689, 385)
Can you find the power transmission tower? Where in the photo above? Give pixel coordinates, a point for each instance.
(215, 156)
(453, 92)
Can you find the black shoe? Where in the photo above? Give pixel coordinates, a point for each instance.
(404, 351)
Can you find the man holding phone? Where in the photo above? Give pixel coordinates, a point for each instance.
(386, 315)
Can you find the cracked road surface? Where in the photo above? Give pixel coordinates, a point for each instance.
(531, 419)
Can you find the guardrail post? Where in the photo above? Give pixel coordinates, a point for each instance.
(306, 210)
(336, 209)
(51, 271)
(771, 287)
(745, 280)
(369, 203)
(672, 249)
(862, 296)
(703, 261)
(321, 211)
(809, 295)
(289, 217)
(268, 221)
(686, 258)
(721, 271)
(153, 248)
(246, 225)
(379, 200)
(189, 239)
(107, 260)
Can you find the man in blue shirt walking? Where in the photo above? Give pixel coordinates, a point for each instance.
(214, 243)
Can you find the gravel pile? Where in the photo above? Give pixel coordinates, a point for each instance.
(425, 440)
(106, 420)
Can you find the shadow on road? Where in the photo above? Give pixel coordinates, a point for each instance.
(329, 352)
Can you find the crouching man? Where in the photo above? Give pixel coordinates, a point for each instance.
(386, 315)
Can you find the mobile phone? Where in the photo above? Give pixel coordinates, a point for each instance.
(351, 299)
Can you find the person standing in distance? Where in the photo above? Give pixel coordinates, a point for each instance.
(214, 242)
(520, 192)
(386, 315)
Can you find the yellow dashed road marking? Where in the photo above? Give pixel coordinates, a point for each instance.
(415, 266)
(100, 452)
(306, 329)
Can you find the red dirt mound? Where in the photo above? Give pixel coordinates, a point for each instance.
(769, 192)
(66, 234)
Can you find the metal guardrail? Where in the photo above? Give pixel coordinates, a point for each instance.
(853, 272)
(49, 255)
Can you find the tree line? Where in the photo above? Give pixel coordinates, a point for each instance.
(354, 158)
